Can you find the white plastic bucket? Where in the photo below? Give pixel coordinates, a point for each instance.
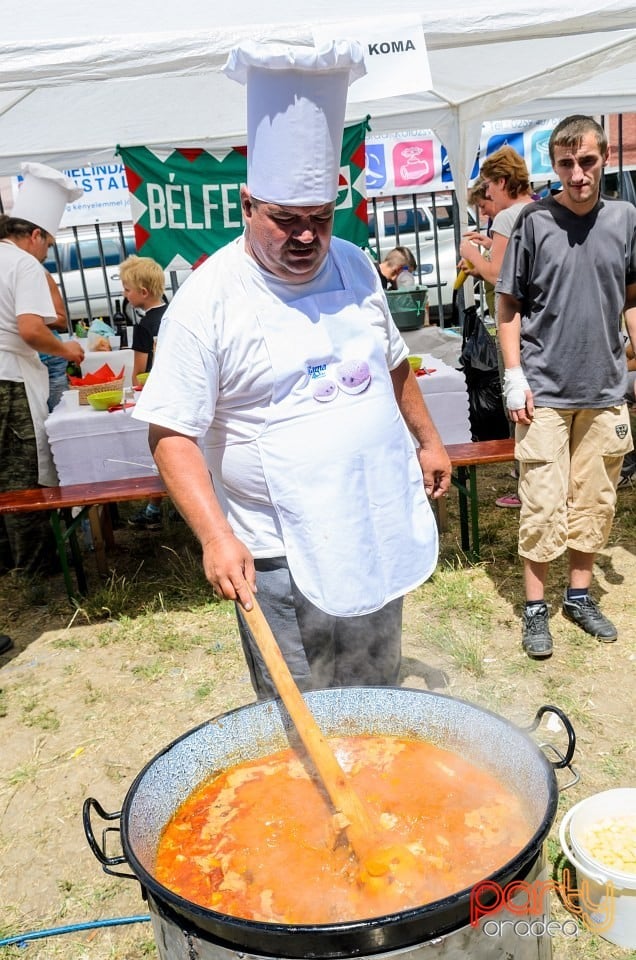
(613, 915)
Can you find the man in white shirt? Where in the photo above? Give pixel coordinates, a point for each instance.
(26, 307)
(280, 406)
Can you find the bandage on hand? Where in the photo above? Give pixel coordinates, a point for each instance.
(514, 388)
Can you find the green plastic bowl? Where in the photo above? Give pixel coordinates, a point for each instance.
(105, 399)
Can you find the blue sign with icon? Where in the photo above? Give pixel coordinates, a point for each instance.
(376, 166)
(540, 162)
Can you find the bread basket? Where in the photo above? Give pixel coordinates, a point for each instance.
(97, 388)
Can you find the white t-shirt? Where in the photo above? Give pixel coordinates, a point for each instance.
(23, 289)
(504, 220)
(213, 379)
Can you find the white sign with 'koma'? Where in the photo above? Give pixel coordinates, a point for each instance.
(395, 56)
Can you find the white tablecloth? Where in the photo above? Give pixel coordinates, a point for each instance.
(443, 344)
(446, 397)
(89, 445)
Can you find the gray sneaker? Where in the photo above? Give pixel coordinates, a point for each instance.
(536, 638)
(586, 614)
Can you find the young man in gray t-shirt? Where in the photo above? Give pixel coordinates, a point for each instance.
(568, 276)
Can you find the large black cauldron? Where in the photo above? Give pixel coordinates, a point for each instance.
(262, 728)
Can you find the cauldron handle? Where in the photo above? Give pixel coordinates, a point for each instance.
(563, 761)
(100, 851)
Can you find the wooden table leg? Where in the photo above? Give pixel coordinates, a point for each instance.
(106, 521)
(441, 514)
(465, 480)
(474, 512)
(99, 545)
(55, 519)
(65, 528)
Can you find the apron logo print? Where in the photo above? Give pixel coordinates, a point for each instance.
(325, 391)
(353, 376)
(621, 430)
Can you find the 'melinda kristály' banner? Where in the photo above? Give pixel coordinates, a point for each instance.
(186, 202)
(105, 194)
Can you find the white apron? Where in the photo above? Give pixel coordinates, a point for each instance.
(339, 462)
(36, 383)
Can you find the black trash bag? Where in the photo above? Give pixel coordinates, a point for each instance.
(478, 360)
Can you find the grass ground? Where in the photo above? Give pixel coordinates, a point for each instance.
(91, 693)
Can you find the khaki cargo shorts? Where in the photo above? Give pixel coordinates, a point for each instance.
(569, 466)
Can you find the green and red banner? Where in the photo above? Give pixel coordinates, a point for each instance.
(186, 202)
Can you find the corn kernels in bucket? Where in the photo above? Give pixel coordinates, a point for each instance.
(612, 843)
(598, 836)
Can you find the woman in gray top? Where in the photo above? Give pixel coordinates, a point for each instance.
(505, 176)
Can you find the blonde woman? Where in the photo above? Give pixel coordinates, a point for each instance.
(504, 177)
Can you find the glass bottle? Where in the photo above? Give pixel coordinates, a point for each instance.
(119, 323)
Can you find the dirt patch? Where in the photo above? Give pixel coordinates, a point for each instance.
(88, 697)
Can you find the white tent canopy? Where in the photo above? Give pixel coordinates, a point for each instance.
(76, 81)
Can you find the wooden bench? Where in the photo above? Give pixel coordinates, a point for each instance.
(89, 497)
(465, 458)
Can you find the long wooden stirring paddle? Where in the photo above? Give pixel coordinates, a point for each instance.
(377, 859)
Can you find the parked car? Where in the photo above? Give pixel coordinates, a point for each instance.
(415, 224)
(85, 260)
(84, 263)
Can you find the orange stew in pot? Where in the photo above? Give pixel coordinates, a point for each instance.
(261, 841)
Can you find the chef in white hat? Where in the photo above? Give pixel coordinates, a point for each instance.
(26, 307)
(281, 401)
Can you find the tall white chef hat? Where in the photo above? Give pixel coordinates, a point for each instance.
(296, 99)
(43, 195)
